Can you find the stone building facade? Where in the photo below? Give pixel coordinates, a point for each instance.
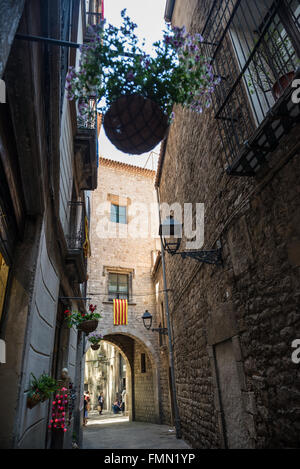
(123, 251)
(48, 164)
(234, 325)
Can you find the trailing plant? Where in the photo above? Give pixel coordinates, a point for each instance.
(94, 338)
(42, 388)
(74, 318)
(114, 64)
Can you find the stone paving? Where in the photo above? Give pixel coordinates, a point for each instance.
(109, 431)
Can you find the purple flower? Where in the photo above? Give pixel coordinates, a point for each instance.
(130, 75)
(199, 37)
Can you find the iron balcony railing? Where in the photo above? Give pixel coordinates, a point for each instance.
(254, 46)
(89, 120)
(94, 11)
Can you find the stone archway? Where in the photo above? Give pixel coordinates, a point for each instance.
(143, 385)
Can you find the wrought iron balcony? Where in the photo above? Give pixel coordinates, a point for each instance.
(254, 46)
(94, 16)
(86, 148)
(77, 253)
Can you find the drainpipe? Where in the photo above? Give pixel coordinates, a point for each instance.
(169, 10)
(171, 355)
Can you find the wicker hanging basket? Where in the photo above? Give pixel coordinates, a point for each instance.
(33, 401)
(95, 346)
(135, 124)
(88, 326)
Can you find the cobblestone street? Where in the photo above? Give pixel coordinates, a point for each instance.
(110, 431)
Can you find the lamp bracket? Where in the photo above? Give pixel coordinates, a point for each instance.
(208, 257)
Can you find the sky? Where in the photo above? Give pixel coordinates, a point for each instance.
(149, 16)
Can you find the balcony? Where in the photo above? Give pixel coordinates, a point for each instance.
(76, 258)
(94, 15)
(254, 47)
(86, 149)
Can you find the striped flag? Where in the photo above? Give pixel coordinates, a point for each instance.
(120, 312)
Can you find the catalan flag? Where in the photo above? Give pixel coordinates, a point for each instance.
(120, 312)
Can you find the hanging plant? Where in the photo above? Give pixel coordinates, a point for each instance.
(40, 389)
(136, 91)
(86, 322)
(59, 412)
(95, 340)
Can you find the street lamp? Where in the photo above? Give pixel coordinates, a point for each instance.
(147, 320)
(171, 229)
(170, 232)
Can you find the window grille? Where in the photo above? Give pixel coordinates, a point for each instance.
(254, 46)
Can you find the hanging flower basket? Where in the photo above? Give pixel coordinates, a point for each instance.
(95, 338)
(136, 91)
(86, 322)
(135, 124)
(95, 346)
(40, 389)
(33, 401)
(88, 326)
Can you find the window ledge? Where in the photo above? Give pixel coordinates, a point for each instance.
(111, 302)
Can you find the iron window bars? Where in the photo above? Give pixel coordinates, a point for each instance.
(254, 46)
(93, 11)
(88, 122)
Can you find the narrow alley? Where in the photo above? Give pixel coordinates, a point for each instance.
(149, 225)
(110, 431)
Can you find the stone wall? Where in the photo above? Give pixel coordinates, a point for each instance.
(143, 387)
(234, 325)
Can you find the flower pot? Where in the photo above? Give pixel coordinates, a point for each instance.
(135, 124)
(95, 346)
(88, 326)
(282, 84)
(33, 401)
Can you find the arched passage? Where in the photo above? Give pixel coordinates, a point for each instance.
(142, 373)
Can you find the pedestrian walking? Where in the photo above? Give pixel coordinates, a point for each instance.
(85, 411)
(101, 403)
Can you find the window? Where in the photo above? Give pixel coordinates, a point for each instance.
(118, 214)
(254, 48)
(143, 363)
(118, 286)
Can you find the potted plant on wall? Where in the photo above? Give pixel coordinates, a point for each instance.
(272, 67)
(135, 91)
(40, 389)
(94, 338)
(86, 322)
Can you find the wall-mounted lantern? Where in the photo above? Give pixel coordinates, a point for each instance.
(170, 232)
(147, 320)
